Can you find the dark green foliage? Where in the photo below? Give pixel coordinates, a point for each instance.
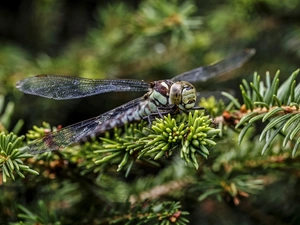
(11, 155)
(215, 185)
(165, 213)
(136, 174)
(44, 216)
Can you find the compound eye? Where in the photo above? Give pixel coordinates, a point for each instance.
(175, 94)
(190, 104)
(191, 101)
(187, 87)
(188, 96)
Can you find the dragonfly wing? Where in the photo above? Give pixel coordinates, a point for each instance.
(68, 87)
(204, 73)
(76, 132)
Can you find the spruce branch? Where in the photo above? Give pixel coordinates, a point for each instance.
(167, 183)
(225, 185)
(11, 155)
(248, 156)
(43, 216)
(214, 107)
(191, 135)
(159, 16)
(39, 132)
(146, 212)
(150, 212)
(276, 106)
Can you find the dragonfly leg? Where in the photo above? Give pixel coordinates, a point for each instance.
(161, 112)
(199, 108)
(152, 116)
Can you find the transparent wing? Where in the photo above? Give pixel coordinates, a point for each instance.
(204, 73)
(67, 87)
(76, 132)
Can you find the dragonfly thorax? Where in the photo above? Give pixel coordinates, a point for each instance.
(182, 94)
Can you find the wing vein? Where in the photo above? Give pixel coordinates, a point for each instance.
(68, 87)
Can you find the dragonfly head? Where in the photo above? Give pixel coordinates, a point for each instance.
(183, 94)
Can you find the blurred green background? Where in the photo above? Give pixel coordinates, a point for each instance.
(146, 40)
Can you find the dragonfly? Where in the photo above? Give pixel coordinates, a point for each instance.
(161, 97)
